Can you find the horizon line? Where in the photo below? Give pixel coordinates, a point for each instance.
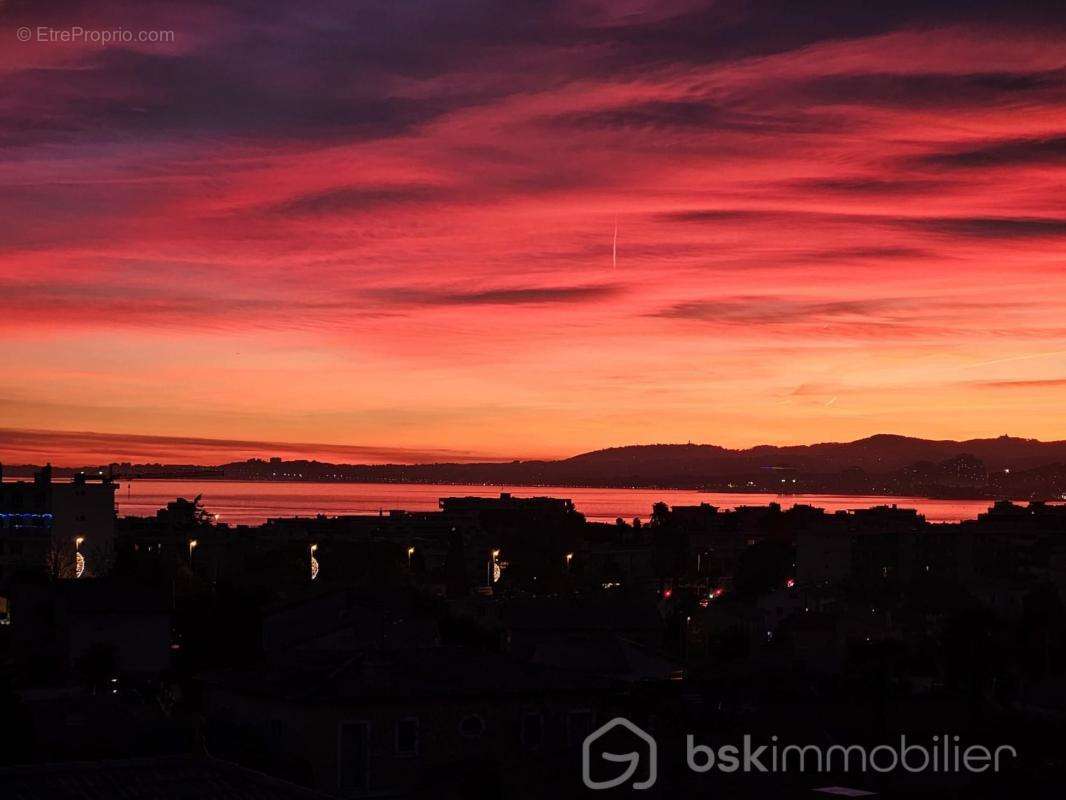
(151, 449)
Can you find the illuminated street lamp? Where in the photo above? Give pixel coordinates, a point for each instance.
(79, 559)
(314, 562)
(192, 546)
(493, 572)
(569, 559)
(410, 552)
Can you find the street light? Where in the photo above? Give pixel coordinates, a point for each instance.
(79, 559)
(410, 552)
(493, 571)
(569, 558)
(192, 546)
(314, 562)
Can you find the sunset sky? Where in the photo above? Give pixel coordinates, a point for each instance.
(390, 227)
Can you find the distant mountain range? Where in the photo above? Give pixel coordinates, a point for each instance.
(885, 464)
(879, 454)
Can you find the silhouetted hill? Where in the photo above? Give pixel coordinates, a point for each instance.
(883, 453)
(885, 464)
(886, 452)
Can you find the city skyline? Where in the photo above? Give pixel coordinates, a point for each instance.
(458, 233)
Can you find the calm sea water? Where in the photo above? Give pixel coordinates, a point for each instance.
(252, 502)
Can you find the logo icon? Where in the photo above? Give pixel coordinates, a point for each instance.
(632, 759)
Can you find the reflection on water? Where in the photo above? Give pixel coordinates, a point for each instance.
(250, 503)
